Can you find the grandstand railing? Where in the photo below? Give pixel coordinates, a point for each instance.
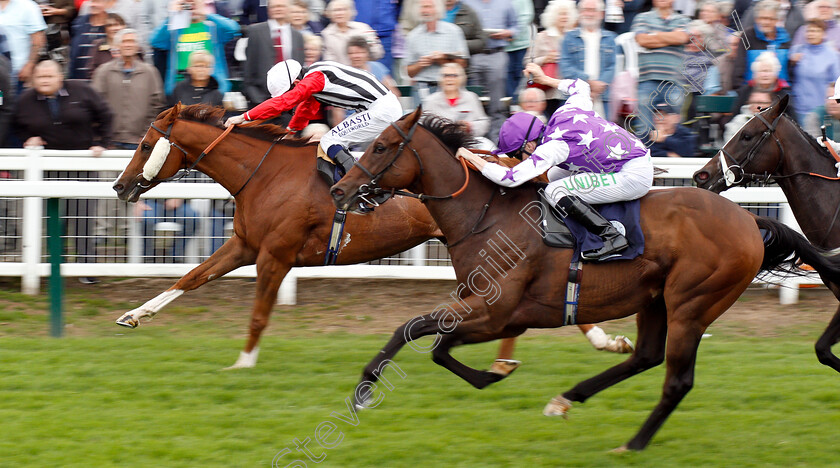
(23, 184)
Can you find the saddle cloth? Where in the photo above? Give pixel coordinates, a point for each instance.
(623, 215)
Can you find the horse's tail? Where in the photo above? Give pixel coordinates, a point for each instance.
(784, 248)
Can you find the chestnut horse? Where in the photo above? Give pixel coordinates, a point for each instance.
(283, 212)
(283, 209)
(806, 173)
(701, 253)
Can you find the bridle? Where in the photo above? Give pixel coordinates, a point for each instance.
(372, 188)
(735, 174)
(729, 176)
(185, 171)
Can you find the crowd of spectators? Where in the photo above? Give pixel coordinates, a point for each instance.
(683, 48)
(120, 62)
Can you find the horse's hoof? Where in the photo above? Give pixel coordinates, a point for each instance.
(620, 345)
(362, 405)
(558, 406)
(504, 367)
(622, 449)
(239, 366)
(128, 321)
(245, 360)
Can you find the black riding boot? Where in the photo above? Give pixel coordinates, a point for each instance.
(344, 160)
(581, 212)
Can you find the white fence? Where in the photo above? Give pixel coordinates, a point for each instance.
(427, 261)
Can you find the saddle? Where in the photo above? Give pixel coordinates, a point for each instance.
(555, 231)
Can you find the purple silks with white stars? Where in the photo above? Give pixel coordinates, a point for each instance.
(595, 144)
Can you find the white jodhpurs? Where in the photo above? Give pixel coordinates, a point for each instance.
(364, 126)
(632, 181)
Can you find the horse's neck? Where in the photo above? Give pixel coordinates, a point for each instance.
(813, 200)
(455, 217)
(235, 159)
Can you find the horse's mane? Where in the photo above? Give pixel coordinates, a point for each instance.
(453, 136)
(811, 140)
(211, 115)
(448, 132)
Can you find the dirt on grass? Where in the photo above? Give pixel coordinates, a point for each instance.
(351, 306)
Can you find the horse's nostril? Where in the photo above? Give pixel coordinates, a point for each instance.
(337, 193)
(701, 177)
(118, 187)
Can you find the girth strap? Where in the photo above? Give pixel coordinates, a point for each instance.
(335, 237)
(572, 293)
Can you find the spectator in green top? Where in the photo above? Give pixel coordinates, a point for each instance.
(208, 32)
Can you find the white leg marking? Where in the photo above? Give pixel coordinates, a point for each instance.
(597, 337)
(150, 308)
(246, 360)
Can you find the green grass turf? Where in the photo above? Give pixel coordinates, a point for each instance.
(161, 400)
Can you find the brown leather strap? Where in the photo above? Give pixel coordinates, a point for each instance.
(217, 140)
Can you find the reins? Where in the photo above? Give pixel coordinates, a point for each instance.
(373, 188)
(185, 171)
(764, 179)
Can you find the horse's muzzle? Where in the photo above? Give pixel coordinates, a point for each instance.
(129, 191)
(704, 180)
(341, 198)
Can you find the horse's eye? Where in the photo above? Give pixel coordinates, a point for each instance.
(145, 146)
(747, 137)
(379, 148)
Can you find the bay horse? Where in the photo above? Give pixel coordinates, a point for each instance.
(805, 171)
(283, 215)
(701, 252)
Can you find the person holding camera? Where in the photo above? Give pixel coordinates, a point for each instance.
(433, 44)
(193, 29)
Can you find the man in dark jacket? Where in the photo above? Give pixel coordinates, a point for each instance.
(269, 43)
(66, 116)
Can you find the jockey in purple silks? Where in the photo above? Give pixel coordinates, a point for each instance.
(592, 159)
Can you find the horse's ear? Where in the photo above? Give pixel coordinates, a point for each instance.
(782, 105)
(414, 116)
(173, 114)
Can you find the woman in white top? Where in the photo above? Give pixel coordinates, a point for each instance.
(457, 104)
(342, 28)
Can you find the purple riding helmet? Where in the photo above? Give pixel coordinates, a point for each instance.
(521, 128)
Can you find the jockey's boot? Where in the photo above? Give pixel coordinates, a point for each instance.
(344, 161)
(580, 211)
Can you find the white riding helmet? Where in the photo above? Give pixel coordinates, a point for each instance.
(836, 96)
(281, 76)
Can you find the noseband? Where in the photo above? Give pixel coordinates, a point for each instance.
(183, 171)
(373, 189)
(736, 174)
